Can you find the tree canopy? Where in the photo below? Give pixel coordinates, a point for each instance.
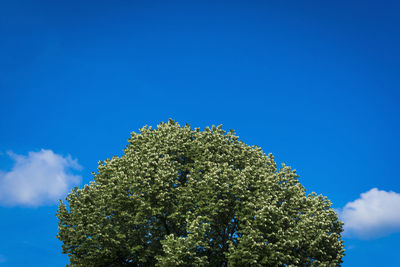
(183, 197)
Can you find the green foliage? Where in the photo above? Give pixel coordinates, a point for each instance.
(184, 197)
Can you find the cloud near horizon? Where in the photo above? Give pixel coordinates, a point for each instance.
(40, 178)
(375, 214)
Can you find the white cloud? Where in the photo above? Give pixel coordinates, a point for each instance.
(375, 214)
(39, 178)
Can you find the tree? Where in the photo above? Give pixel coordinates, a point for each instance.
(184, 197)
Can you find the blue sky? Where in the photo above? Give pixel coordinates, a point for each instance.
(315, 83)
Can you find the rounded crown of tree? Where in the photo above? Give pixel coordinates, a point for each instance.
(183, 197)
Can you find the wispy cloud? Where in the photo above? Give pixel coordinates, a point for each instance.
(40, 178)
(375, 214)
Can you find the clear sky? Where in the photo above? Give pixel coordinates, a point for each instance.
(316, 83)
